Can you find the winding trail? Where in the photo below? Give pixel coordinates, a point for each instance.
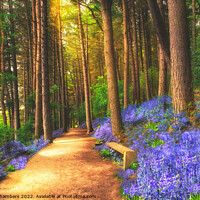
(68, 167)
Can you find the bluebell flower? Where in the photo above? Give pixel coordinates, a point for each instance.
(2, 172)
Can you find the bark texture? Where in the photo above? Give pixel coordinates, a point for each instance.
(182, 90)
(15, 85)
(45, 74)
(113, 94)
(135, 51)
(34, 25)
(3, 108)
(145, 57)
(194, 24)
(38, 100)
(63, 92)
(162, 88)
(132, 63)
(85, 74)
(126, 52)
(161, 30)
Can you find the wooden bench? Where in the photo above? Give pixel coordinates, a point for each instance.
(129, 154)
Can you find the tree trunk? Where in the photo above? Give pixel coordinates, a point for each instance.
(126, 52)
(30, 46)
(140, 42)
(34, 43)
(24, 92)
(182, 90)
(67, 102)
(54, 76)
(135, 52)
(86, 87)
(11, 90)
(160, 27)
(117, 66)
(90, 92)
(89, 76)
(59, 84)
(194, 24)
(145, 57)
(45, 73)
(38, 100)
(80, 77)
(3, 108)
(162, 89)
(133, 77)
(64, 109)
(75, 81)
(9, 107)
(15, 91)
(113, 94)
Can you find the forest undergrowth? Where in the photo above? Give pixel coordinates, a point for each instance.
(168, 146)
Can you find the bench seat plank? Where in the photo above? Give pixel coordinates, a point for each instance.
(118, 147)
(129, 155)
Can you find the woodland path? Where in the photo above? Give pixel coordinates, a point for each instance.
(69, 166)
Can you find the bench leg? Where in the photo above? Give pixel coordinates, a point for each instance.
(129, 157)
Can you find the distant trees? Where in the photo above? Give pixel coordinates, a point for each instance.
(3, 109)
(132, 50)
(85, 73)
(14, 62)
(135, 42)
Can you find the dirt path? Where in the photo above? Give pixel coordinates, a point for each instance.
(69, 167)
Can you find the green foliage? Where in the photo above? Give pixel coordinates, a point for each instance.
(119, 178)
(6, 134)
(54, 105)
(6, 77)
(153, 126)
(30, 101)
(196, 62)
(134, 165)
(131, 198)
(10, 168)
(26, 133)
(9, 104)
(156, 142)
(105, 153)
(153, 82)
(99, 97)
(53, 89)
(195, 197)
(98, 140)
(79, 113)
(121, 93)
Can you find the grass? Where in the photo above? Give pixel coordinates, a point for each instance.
(134, 165)
(156, 142)
(105, 153)
(125, 196)
(195, 197)
(11, 168)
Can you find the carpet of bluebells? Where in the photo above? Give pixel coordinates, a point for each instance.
(170, 170)
(17, 155)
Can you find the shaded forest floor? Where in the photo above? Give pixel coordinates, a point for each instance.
(68, 167)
